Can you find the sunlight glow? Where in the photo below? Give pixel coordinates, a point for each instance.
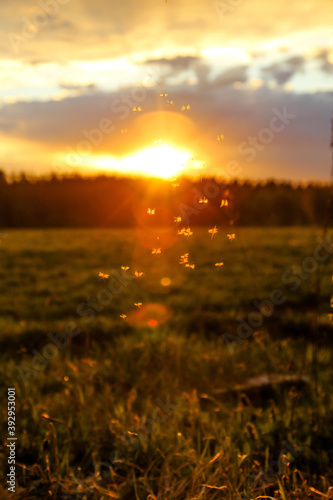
(226, 52)
(161, 161)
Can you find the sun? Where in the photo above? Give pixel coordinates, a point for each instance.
(161, 160)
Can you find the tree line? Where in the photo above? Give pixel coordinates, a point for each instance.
(123, 202)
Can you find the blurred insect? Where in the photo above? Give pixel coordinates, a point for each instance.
(184, 258)
(177, 219)
(103, 276)
(220, 137)
(171, 103)
(137, 108)
(224, 203)
(138, 304)
(151, 211)
(124, 130)
(123, 316)
(155, 251)
(137, 274)
(186, 108)
(212, 231)
(185, 232)
(242, 457)
(203, 200)
(219, 264)
(175, 185)
(125, 268)
(163, 95)
(231, 236)
(191, 266)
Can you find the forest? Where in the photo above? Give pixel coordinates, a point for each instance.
(104, 201)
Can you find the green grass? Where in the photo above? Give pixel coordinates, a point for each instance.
(128, 410)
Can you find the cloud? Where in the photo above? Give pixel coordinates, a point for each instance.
(300, 151)
(102, 29)
(283, 71)
(176, 64)
(237, 74)
(326, 59)
(73, 86)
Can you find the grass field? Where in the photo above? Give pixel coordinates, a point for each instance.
(149, 406)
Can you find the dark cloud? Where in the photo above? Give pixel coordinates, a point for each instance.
(202, 71)
(180, 63)
(71, 86)
(283, 71)
(237, 74)
(173, 66)
(326, 65)
(169, 67)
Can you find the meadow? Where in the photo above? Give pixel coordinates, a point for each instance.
(161, 404)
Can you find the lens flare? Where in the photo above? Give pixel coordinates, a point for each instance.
(150, 315)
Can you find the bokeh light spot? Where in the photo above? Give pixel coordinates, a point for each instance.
(165, 281)
(149, 315)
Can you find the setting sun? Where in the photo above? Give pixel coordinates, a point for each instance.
(161, 161)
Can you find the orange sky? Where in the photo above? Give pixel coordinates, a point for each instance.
(260, 73)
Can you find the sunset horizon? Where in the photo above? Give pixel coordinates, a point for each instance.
(95, 109)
